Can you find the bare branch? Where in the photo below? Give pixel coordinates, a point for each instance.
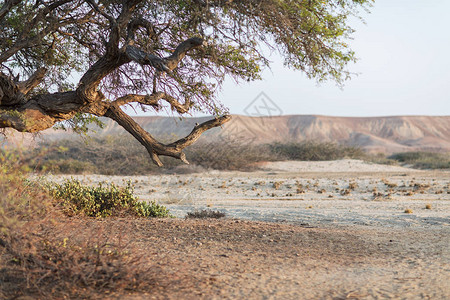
(180, 52)
(155, 148)
(33, 81)
(144, 58)
(94, 5)
(40, 112)
(198, 130)
(87, 88)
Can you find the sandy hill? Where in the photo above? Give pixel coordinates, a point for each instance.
(375, 134)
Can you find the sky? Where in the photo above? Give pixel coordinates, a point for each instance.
(403, 67)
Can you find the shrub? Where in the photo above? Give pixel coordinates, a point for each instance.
(423, 160)
(228, 155)
(104, 200)
(205, 214)
(315, 151)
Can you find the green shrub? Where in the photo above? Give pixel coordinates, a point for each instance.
(104, 200)
(205, 214)
(423, 160)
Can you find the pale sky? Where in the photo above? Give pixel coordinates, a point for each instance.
(404, 66)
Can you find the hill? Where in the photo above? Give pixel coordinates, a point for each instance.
(374, 134)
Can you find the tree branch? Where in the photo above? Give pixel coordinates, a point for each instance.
(144, 58)
(7, 7)
(153, 99)
(140, 22)
(180, 52)
(33, 81)
(198, 130)
(40, 112)
(155, 148)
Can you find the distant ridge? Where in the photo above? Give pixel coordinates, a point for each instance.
(374, 134)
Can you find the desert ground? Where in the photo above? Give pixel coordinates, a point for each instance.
(295, 230)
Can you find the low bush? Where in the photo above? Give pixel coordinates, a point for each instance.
(205, 214)
(104, 200)
(423, 160)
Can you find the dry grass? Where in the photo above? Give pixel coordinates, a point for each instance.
(45, 254)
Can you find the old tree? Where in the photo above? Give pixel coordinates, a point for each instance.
(73, 60)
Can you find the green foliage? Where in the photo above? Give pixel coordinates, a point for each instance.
(423, 160)
(104, 200)
(152, 209)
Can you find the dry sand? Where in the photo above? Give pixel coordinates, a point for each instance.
(338, 230)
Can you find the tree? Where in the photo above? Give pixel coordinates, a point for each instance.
(155, 53)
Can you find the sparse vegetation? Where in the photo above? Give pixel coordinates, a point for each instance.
(122, 155)
(316, 151)
(44, 254)
(277, 185)
(423, 160)
(205, 214)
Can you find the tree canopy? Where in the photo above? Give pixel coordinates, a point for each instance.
(67, 60)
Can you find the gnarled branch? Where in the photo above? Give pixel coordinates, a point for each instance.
(155, 148)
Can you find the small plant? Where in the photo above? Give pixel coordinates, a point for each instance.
(205, 214)
(352, 186)
(345, 192)
(408, 211)
(428, 206)
(277, 185)
(300, 191)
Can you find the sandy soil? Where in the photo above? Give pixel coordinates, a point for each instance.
(338, 230)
